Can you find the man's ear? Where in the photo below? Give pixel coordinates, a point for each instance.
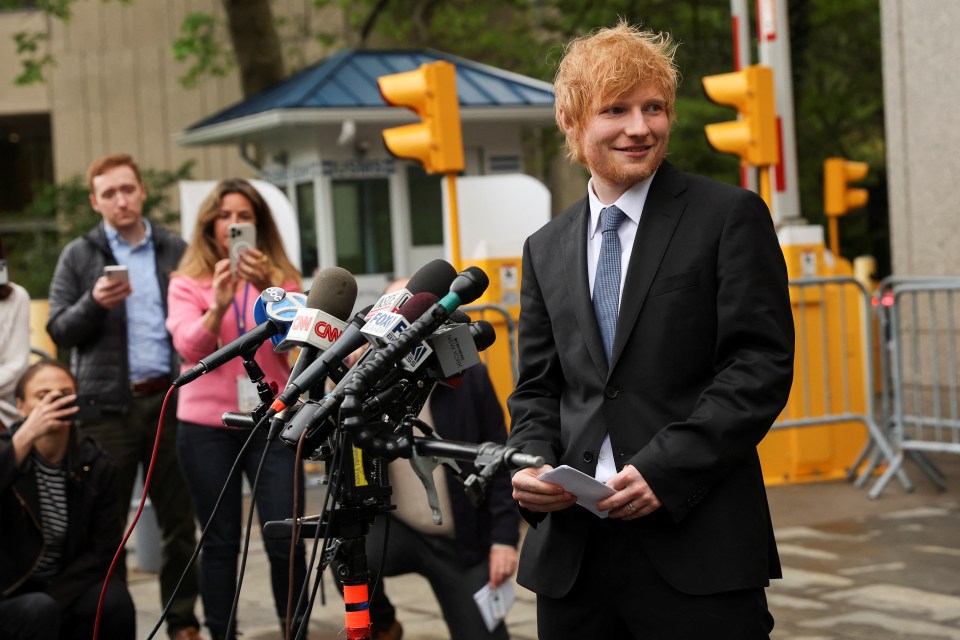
(566, 123)
(93, 203)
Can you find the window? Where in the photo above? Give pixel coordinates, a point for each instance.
(307, 218)
(26, 158)
(426, 207)
(361, 214)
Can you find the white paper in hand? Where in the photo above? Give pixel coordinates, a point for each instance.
(494, 603)
(588, 489)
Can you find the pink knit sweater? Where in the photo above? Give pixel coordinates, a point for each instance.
(205, 399)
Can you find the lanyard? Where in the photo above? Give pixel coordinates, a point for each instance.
(240, 317)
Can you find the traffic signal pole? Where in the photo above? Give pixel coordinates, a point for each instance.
(742, 58)
(454, 220)
(773, 34)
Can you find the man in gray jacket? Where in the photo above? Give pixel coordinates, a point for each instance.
(121, 352)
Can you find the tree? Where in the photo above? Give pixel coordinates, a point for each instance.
(839, 108)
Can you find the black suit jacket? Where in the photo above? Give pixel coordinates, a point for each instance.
(702, 366)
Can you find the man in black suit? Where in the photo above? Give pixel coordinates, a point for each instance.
(656, 349)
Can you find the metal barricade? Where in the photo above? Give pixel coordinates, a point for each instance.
(921, 395)
(833, 385)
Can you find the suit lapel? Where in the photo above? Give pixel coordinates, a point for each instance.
(574, 256)
(661, 213)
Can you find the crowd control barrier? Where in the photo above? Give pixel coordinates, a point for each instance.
(829, 428)
(920, 401)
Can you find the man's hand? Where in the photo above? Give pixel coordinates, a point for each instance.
(109, 293)
(536, 495)
(634, 497)
(503, 562)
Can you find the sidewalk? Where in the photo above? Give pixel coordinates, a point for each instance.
(854, 568)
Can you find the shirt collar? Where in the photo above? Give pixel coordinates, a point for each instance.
(114, 238)
(631, 203)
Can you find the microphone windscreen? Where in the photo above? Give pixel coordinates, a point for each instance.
(334, 291)
(418, 303)
(483, 334)
(459, 317)
(434, 277)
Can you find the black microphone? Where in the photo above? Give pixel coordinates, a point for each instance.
(277, 305)
(332, 295)
(311, 420)
(435, 275)
(465, 288)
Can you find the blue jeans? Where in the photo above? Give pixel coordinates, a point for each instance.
(206, 455)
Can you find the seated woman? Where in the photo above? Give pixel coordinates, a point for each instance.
(59, 528)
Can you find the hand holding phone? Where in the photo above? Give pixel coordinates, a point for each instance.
(116, 272)
(113, 287)
(241, 236)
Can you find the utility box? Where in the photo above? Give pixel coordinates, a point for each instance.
(829, 385)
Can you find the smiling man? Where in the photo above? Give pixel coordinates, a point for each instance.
(656, 350)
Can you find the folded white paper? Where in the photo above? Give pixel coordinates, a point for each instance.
(588, 489)
(494, 603)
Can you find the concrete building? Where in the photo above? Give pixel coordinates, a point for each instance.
(921, 93)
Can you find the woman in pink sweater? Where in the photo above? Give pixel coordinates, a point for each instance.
(208, 307)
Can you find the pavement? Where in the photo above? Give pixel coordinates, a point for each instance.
(854, 568)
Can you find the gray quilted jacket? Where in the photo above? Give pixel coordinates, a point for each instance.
(97, 337)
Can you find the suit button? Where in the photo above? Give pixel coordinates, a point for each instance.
(611, 392)
(588, 456)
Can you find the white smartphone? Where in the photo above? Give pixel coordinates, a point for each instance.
(4, 273)
(116, 272)
(242, 236)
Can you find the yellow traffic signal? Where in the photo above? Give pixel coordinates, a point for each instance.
(430, 91)
(838, 198)
(754, 136)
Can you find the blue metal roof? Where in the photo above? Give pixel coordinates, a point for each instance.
(348, 80)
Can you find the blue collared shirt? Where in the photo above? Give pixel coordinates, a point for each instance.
(148, 345)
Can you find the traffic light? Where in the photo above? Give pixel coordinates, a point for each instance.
(430, 91)
(838, 198)
(754, 136)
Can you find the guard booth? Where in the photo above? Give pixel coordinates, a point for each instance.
(317, 137)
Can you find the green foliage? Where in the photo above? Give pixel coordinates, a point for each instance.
(32, 60)
(200, 44)
(61, 212)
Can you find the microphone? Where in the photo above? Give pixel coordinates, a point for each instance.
(318, 326)
(437, 274)
(434, 277)
(385, 327)
(278, 309)
(465, 288)
(308, 421)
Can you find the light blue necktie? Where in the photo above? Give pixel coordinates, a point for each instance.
(606, 285)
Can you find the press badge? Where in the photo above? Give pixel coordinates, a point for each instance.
(247, 398)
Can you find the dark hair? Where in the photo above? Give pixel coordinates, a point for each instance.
(21, 391)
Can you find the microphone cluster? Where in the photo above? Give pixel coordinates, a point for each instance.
(416, 338)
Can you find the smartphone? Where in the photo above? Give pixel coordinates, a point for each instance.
(89, 408)
(242, 236)
(116, 272)
(4, 273)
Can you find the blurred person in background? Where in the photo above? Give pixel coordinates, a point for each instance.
(120, 350)
(210, 307)
(15, 345)
(59, 526)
